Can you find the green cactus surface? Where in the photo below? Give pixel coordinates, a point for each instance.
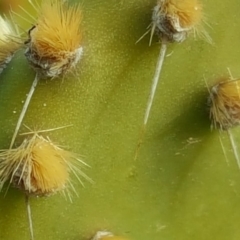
(181, 186)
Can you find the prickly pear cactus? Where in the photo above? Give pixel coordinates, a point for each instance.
(181, 186)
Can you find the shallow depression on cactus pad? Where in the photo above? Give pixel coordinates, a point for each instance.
(181, 186)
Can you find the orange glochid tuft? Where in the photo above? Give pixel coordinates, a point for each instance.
(105, 235)
(224, 102)
(172, 20)
(9, 42)
(39, 167)
(55, 41)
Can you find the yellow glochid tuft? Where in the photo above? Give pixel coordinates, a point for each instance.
(39, 167)
(224, 102)
(172, 20)
(55, 41)
(9, 42)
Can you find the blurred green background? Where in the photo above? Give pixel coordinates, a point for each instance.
(181, 187)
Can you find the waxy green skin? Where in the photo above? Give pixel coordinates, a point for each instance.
(174, 190)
